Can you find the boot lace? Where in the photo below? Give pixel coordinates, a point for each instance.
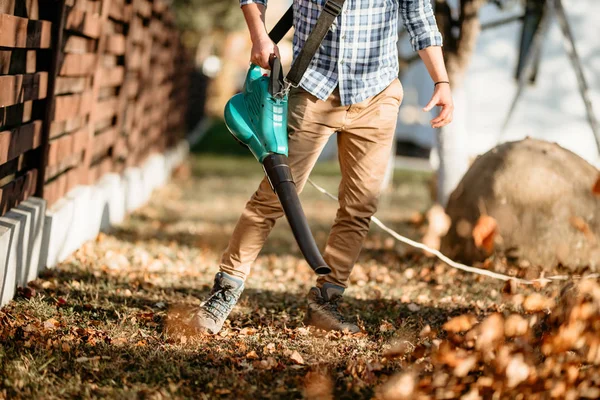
(219, 304)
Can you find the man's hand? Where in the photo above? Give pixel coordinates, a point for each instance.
(262, 45)
(434, 61)
(442, 97)
(262, 48)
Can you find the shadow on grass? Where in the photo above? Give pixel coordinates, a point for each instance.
(207, 366)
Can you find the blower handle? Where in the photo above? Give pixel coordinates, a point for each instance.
(280, 177)
(276, 83)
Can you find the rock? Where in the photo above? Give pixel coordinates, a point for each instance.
(542, 198)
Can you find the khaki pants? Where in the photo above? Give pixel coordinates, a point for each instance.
(365, 134)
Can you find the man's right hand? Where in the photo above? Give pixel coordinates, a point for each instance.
(262, 50)
(262, 45)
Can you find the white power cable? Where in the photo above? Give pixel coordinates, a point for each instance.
(453, 263)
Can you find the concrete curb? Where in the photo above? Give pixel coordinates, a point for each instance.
(32, 237)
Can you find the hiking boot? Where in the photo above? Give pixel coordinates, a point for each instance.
(214, 311)
(323, 312)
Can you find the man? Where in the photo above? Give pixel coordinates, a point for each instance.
(351, 87)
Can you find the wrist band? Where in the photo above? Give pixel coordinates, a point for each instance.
(441, 82)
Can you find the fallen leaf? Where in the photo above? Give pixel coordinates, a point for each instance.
(517, 370)
(491, 330)
(386, 327)
(247, 331)
(462, 323)
(51, 324)
(297, 358)
(484, 233)
(270, 348)
(399, 387)
(26, 292)
(118, 341)
(252, 355)
(267, 364)
(465, 366)
(398, 349)
(515, 325)
(535, 302)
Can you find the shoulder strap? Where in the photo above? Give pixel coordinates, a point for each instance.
(330, 12)
(283, 25)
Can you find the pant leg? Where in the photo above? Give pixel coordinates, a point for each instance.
(364, 147)
(310, 124)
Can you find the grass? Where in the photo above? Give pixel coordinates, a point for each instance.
(108, 322)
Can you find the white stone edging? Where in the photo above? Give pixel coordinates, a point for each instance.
(33, 238)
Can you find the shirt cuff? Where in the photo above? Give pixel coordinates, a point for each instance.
(246, 2)
(425, 40)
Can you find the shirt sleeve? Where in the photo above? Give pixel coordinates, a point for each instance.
(419, 21)
(246, 2)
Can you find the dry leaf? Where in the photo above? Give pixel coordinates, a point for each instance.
(491, 331)
(399, 387)
(535, 302)
(267, 364)
(517, 370)
(515, 325)
(51, 324)
(465, 366)
(269, 348)
(386, 327)
(120, 341)
(252, 355)
(596, 187)
(462, 323)
(297, 358)
(484, 233)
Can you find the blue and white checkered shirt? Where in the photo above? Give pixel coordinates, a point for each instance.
(359, 53)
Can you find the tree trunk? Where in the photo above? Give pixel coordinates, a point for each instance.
(453, 140)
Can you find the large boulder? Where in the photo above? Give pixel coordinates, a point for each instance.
(529, 200)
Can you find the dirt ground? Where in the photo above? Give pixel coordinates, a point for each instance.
(106, 322)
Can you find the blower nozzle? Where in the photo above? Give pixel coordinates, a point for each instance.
(282, 182)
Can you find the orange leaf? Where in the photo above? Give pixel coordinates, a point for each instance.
(484, 233)
(462, 323)
(596, 187)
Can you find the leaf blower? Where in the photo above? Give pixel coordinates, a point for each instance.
(257, 118)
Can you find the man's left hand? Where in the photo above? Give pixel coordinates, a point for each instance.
(442, 97)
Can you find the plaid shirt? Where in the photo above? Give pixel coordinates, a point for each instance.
(359, 53)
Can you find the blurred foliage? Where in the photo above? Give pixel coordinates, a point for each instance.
(197, 18)
(219, 141)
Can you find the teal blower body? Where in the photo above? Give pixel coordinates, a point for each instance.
(257, 118)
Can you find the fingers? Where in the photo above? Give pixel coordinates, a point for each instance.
(444, 118)
(261, 54)
(261, 59)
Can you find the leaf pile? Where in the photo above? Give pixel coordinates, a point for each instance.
(551, 351)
